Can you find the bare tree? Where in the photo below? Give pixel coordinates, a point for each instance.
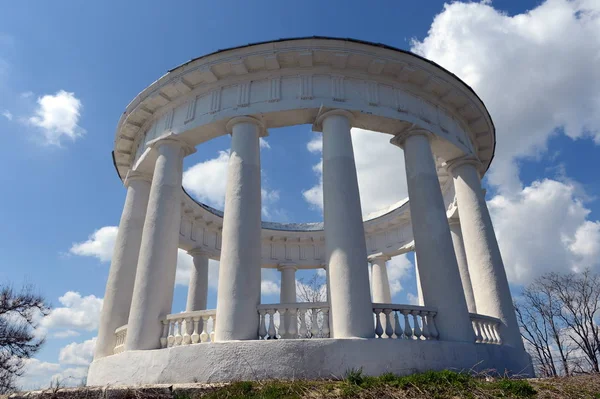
(19, 315)
(312, 290)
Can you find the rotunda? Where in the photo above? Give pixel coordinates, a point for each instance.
(465, 319)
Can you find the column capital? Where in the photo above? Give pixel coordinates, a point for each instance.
(197, 252)
(373, 259)
(399, 138)
(134, 175)
(262, 129)
(287, 266)
(174, 139)
(460, 161)
(318, 124)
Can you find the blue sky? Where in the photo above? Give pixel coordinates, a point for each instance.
(68, 69)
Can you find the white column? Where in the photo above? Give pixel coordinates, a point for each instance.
(438, 270)
(288, 291)
(486, 269)
(420, 300)
(380, 284)
(121, 277)
(155, 276)
(461, 259)
(351, 308)
(198, 287)
(240, 264)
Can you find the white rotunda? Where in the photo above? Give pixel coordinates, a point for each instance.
(465, 319)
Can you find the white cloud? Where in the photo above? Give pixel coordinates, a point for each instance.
(535, 72)
(7, 114)
(379, 167)
(77, 354)
(544, 228)
(100, 244)
(57, 116)
(207, 181)
(65, 334)
(77, 313)
(399, 267)
(268, 287)
(38, 374)
(264, 143)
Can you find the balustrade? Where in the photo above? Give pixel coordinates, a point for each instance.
(404, 322)
(120, 335)
(188, 328)
(308, 320)
(487, 329)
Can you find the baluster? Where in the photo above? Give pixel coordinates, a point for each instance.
(397, 328)
(195, 335)
(271, 330)
(378, 328)
(389, 331)
(282, 330)
(325, 328)
(431, 325)
(262, 329)
(303, 330)
(212, 332)
(314, 325)
(497, 333)
(292, 329)
(426, 333)
(178, 336)
(488, 335)
(171, 337)
(165, 334)
(478, 336)
(491, 327)
(204, 333)
(407, 329)
(187, 338)
(416, 327)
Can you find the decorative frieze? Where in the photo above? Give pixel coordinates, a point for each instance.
(306, 89)
(243, 99)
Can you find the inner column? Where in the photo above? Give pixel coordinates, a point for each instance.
(351, 308)
(239, 268)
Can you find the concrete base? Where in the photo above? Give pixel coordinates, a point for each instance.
(306, 359)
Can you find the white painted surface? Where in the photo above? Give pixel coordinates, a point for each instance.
(121, 277)
(351, 311)
(420, 300)
(155, 276)
(380, 284)
(288, 290)
(461, 259)
(294, 359)
(438, 269)
(486, 269)
(238, 294)
(198, 285)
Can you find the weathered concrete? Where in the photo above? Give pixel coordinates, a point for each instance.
(463, 266)
(380, 284)
(302, 358)
(198, 286)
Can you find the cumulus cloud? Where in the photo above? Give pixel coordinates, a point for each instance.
(100, 244)
(37, 374)
(545, 228)
(76, 313)
(535, 72)
(78, 354)
(57, 116)
(7, 114)
(379, 167)
(399, 267)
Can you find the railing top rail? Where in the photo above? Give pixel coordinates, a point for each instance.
(295, 305)
(403, 307)
(118, 330)
(196, 313)
(484, 317)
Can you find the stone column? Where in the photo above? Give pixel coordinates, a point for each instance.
(346, 251)
(438, 270)
(121, 277)
(380, 284)
(240, 264)
(155, 276)
(198, 287)
(288, 291)
(486, 269)
(461, 259)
